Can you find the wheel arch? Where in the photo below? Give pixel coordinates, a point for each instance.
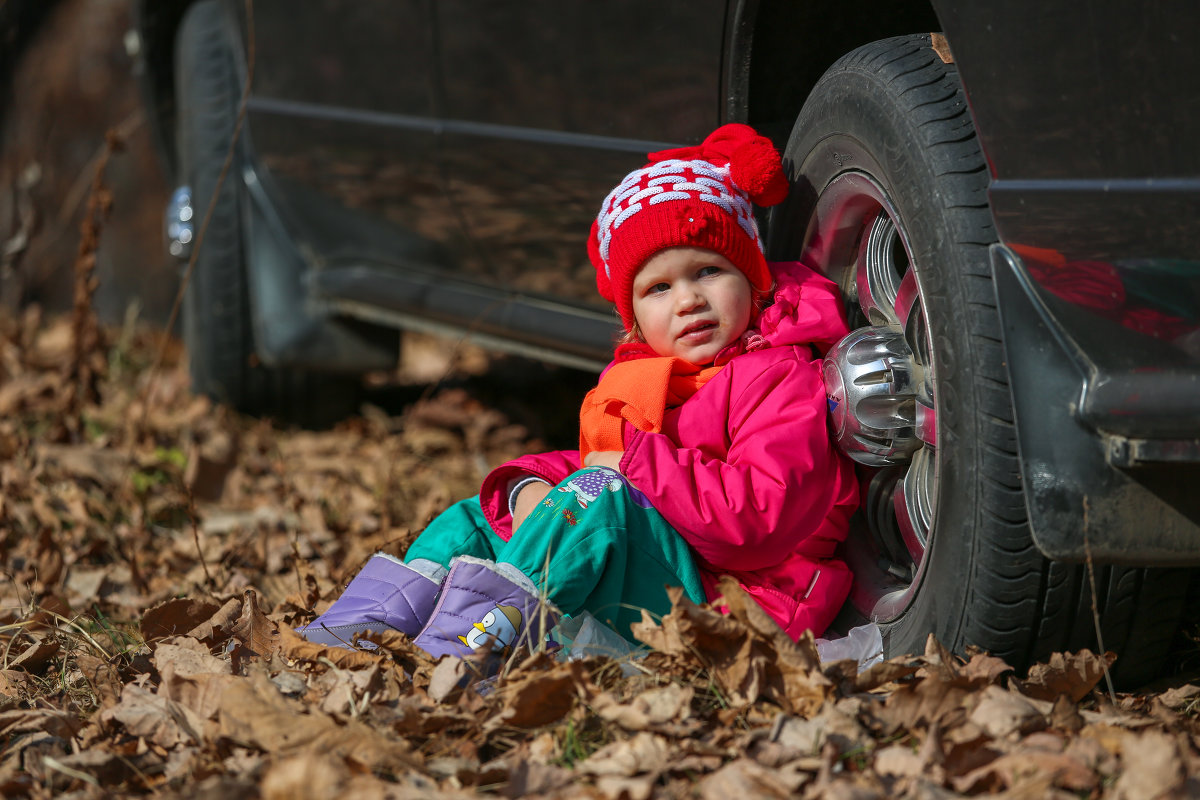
(779, 49)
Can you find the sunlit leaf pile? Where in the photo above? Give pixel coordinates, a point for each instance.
(158, 550)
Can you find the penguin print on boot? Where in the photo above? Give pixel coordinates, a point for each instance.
(497, 630)
(486, 607)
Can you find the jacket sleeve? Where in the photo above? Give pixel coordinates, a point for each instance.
(777, 487)
(552, 467)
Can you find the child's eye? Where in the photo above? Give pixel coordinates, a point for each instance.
(708, 272)
(658, 288)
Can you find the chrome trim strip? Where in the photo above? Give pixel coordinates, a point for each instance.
(294, 108)
(1187, 185)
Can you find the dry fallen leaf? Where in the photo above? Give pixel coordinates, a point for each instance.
(50, 721)
(1152, 767)
(219, 625)
(79, 461)
(539, 698)
(312, 777)
(1000, 713)
(164, 722)
(176, 616)
(191, 676)
(749, 656)
(257, 635)
(899, 761)
(648, 710)
(644, 753)
(17, 684)
(925, 702)
(294, 646)
(448, 678)
(1070, 674)
(254, 714)
(1181, 696)
(36, 655)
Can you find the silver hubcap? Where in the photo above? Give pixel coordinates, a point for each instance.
(179, 223)
(881, 385)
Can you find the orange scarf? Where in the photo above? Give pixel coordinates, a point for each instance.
(638, 391)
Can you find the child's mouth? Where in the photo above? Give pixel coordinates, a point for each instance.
(699, 332)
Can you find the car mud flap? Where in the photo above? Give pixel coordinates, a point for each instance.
(291, 329)
(1080, 503)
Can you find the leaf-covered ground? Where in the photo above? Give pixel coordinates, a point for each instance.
(158, 550)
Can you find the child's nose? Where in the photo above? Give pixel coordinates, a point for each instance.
(688, 299)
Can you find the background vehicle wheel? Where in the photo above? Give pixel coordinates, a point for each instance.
(217, 321)
(889, 198)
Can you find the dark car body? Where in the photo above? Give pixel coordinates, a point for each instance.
(485, 137)
(437, 166)
(1087, 120)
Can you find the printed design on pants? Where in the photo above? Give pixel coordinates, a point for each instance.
(496, 631)
(589, 485)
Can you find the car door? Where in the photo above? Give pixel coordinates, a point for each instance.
(546, 105)
(340, 117)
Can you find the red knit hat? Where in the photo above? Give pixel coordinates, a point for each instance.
(690, 196)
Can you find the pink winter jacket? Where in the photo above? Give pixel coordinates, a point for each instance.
(745, 470)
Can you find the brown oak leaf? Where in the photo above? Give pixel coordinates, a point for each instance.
(257, 637)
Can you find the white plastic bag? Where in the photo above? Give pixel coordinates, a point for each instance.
(864, 644)
(583, 635)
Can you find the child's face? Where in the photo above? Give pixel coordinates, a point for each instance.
(690, 303)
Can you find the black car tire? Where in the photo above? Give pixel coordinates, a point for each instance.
(892, 114)
(217, 310)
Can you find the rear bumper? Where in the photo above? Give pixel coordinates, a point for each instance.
(1108, 429)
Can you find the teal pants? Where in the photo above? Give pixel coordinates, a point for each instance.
(593, 544)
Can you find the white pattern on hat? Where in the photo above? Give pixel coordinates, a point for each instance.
(626, 214)
(665, 196)
(649, 191)
(673, 179)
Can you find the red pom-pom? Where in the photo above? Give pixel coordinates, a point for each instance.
(756, 168)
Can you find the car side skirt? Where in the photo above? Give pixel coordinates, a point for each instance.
(419, 299)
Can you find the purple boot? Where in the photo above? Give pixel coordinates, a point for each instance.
(386, 594)
(488, 607)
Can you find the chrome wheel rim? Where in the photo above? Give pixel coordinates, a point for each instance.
(857, 238)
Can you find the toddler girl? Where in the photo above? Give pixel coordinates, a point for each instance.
(704, 448)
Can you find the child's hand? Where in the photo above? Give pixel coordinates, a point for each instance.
(604, 458)
(527, 500)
